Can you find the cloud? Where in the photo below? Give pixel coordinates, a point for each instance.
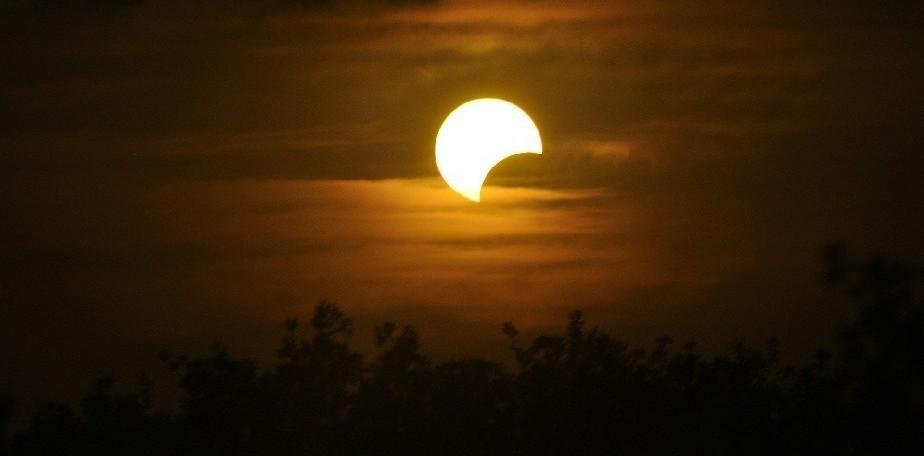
(251, 5)
(177, 173)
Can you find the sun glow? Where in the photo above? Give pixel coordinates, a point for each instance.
(478, 135)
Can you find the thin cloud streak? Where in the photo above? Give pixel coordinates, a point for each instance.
(176, 173)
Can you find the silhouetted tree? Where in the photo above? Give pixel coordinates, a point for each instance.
(579, 392)
(880, 379)
(6, 412)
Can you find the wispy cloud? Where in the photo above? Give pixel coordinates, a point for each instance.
(190, 170)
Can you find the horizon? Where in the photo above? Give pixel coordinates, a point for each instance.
(174, 173)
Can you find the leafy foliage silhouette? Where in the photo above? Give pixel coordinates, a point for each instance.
(581, 392)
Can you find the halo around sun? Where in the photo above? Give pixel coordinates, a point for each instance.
(478, 135)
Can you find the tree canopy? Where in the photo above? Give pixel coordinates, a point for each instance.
(579, 392)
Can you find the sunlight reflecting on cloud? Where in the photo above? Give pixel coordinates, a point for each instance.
(376, 244)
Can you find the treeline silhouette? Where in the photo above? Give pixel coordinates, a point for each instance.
(581, 392)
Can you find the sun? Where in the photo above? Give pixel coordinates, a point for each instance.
(478, 135)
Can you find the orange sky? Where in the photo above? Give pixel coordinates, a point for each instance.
(175, 174)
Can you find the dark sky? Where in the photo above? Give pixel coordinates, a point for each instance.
(178, 172)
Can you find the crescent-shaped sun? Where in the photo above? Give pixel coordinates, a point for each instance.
(478, 135)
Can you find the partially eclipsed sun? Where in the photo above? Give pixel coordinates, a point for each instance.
(478, 135)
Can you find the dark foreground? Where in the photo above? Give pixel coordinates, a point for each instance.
(577, 393)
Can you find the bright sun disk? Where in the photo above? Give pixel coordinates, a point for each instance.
(478, 135)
